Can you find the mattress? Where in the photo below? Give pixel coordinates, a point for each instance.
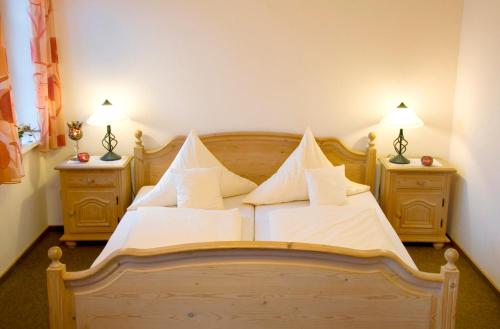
(362, 200)
(119, 236)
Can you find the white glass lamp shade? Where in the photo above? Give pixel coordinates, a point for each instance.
(402, 117)
(105, 115)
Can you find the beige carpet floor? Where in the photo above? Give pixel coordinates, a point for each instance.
(23, 294)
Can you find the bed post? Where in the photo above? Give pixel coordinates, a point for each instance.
(60, 312)
(450, 275)
(371, 162)
(138, 161)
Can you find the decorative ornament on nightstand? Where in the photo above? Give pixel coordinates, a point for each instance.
(427, 160)
(104, 116)
(75, 133)
(403, 118)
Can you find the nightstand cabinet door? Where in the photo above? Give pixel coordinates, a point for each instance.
(418, 211)
(90, 211)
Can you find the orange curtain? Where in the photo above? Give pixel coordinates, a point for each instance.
(46, 74)
(11, 169)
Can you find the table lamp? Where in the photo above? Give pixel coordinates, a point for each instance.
(104, 116)
(403, 118)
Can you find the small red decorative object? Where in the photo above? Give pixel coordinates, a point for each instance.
(83, 157)
(427, 160)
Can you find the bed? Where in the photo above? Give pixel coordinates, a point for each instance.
(253, 284)
(118, 239)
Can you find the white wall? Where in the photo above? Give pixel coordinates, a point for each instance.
(22, 212)
(278, 65)
(475, 217)
(26, 209)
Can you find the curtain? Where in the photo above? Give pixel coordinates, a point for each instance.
(11, 169)
(46, 74)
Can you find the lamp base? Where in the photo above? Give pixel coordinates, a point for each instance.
(109, 143)
(399, 159)
(400, 144)
(110, 156)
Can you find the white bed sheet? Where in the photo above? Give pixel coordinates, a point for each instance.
(158, 227)
(119, 236)
(253, 222)
(247, 211)
(362, 200)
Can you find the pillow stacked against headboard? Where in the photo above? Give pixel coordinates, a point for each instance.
(199, 178)
(198, 188)
(326, 186)
(289, 183)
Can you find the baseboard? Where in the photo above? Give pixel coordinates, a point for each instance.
(476, 268)
(42, 235)
(56, 228)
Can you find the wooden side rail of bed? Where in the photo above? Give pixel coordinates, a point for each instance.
(230, 285)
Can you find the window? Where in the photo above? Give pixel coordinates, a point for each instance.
(17, 38)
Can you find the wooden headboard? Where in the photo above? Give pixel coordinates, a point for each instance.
(253, 155)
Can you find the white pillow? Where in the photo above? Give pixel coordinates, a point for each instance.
(198, 188)
(193, 154)
(289, 182)
(327, 186)
(356, 188)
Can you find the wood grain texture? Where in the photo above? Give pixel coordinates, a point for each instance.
(61, 301)
(253, 155)
(253, 285)
(94, 198)
(416, 200)
(95, 163)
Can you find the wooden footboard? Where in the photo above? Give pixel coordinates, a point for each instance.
(251, 285)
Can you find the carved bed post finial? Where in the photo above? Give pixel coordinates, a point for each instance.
(371, 162)
(55, 254)
(138, 138)
(371, 136)
(56, 290)
(451, 256)
(138, 161)
(451, 277)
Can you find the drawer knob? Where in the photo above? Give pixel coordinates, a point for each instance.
(421, 182)
(398, 214)
(90, 181)
(72, 212)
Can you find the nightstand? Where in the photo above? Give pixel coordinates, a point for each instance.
(94, 196)
(415, 199)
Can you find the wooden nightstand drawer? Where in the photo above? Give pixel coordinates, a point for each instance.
(92, 178)
(420, 181)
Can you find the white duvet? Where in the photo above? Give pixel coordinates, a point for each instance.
(342, 226)
(160, 226)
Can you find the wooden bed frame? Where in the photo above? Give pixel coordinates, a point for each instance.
(252, 284)
(254, 155)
